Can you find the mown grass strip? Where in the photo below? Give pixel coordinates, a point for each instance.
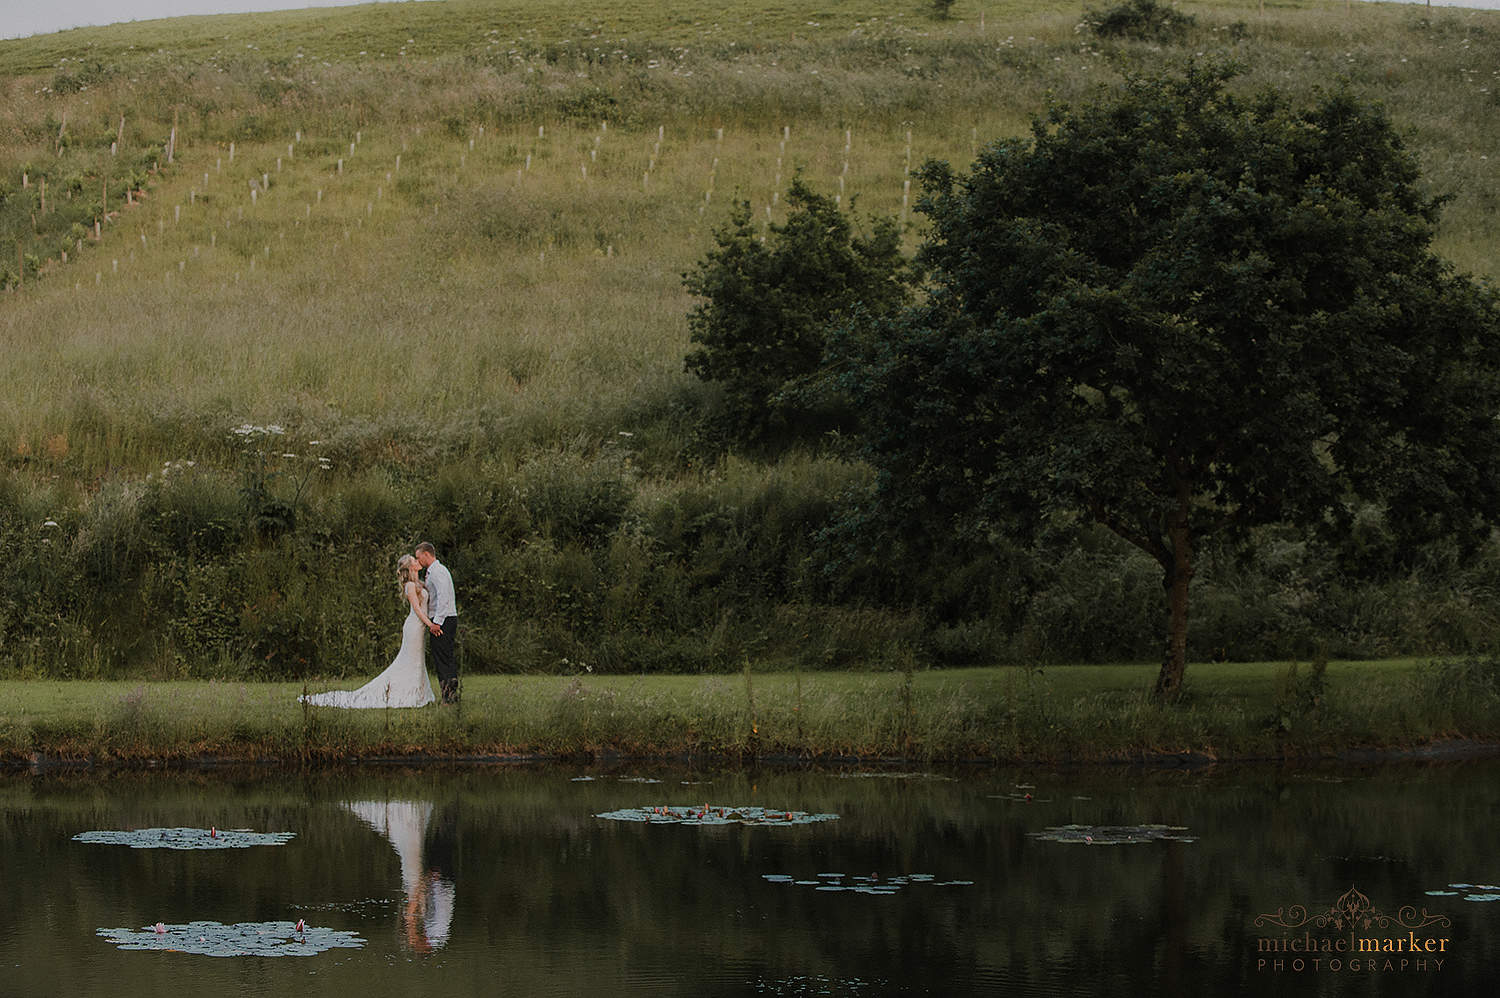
(1077, 713)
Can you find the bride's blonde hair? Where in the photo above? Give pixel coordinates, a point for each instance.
(401, 579)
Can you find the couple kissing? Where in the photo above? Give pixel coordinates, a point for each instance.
(426, 585)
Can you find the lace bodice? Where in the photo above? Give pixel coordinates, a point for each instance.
(421, 595)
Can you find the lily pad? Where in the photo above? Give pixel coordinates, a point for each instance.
(186, 838)
(362, 906)
(819, 985)
(1113, 835)
(871, 883)
(714, 815)
(1024, 798)
(240, 939)
(1469, 892)
(896, 776)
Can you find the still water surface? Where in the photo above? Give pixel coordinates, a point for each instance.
(505, 881)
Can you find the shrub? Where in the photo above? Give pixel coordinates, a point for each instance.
(192, 512)
(760, 331)
(110, 544)
(575, 501)
(1142, 20)
(1300, 698)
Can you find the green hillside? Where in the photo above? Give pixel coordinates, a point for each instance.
(446, 242)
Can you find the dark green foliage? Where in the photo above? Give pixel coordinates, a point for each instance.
(759, 332)
(1177, 312)
(575, 501)
(1142, 20)
(165, 578)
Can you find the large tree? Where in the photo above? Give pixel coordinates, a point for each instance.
(1177, 311)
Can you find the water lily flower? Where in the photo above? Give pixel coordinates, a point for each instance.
(161, 929)
(301, 926)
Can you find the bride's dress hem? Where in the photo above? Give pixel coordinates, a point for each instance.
(404, 683)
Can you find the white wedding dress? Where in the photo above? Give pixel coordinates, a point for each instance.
(404, 683)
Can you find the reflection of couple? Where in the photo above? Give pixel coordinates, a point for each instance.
(433, 610)
(427, 912)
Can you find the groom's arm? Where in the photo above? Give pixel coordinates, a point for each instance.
(443, 596)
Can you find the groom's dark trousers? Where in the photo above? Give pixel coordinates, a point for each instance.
(445, 660)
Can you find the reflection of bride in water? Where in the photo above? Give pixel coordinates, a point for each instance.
(427, 914)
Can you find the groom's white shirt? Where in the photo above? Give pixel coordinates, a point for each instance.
(440, 602)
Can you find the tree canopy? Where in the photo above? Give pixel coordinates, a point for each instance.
(1178, 311)
(768, 301)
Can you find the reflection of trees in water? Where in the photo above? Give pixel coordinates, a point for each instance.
(536, 865)
(1159, 911)
(427, 911)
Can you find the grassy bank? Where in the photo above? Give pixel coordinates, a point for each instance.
(1078, 713)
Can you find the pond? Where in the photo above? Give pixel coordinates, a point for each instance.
(659, 880)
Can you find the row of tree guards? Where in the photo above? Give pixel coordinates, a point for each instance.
(256, 187)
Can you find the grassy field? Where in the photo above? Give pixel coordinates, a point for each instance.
(466, 222)
(1067, 713)
(441, 247)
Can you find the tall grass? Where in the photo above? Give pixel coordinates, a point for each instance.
(522, 265)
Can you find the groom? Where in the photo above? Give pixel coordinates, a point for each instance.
(443, 612)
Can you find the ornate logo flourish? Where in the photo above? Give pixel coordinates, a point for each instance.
(1352, 910)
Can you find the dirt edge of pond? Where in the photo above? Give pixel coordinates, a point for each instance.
(1442, 750)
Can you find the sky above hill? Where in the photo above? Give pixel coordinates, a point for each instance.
(19, 18)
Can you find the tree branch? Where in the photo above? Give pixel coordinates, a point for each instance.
(1143, 538)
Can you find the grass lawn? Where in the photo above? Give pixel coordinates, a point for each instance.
(1080, 713)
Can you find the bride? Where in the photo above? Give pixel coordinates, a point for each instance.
(404, 683)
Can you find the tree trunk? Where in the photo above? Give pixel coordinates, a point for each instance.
(1176, 577)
